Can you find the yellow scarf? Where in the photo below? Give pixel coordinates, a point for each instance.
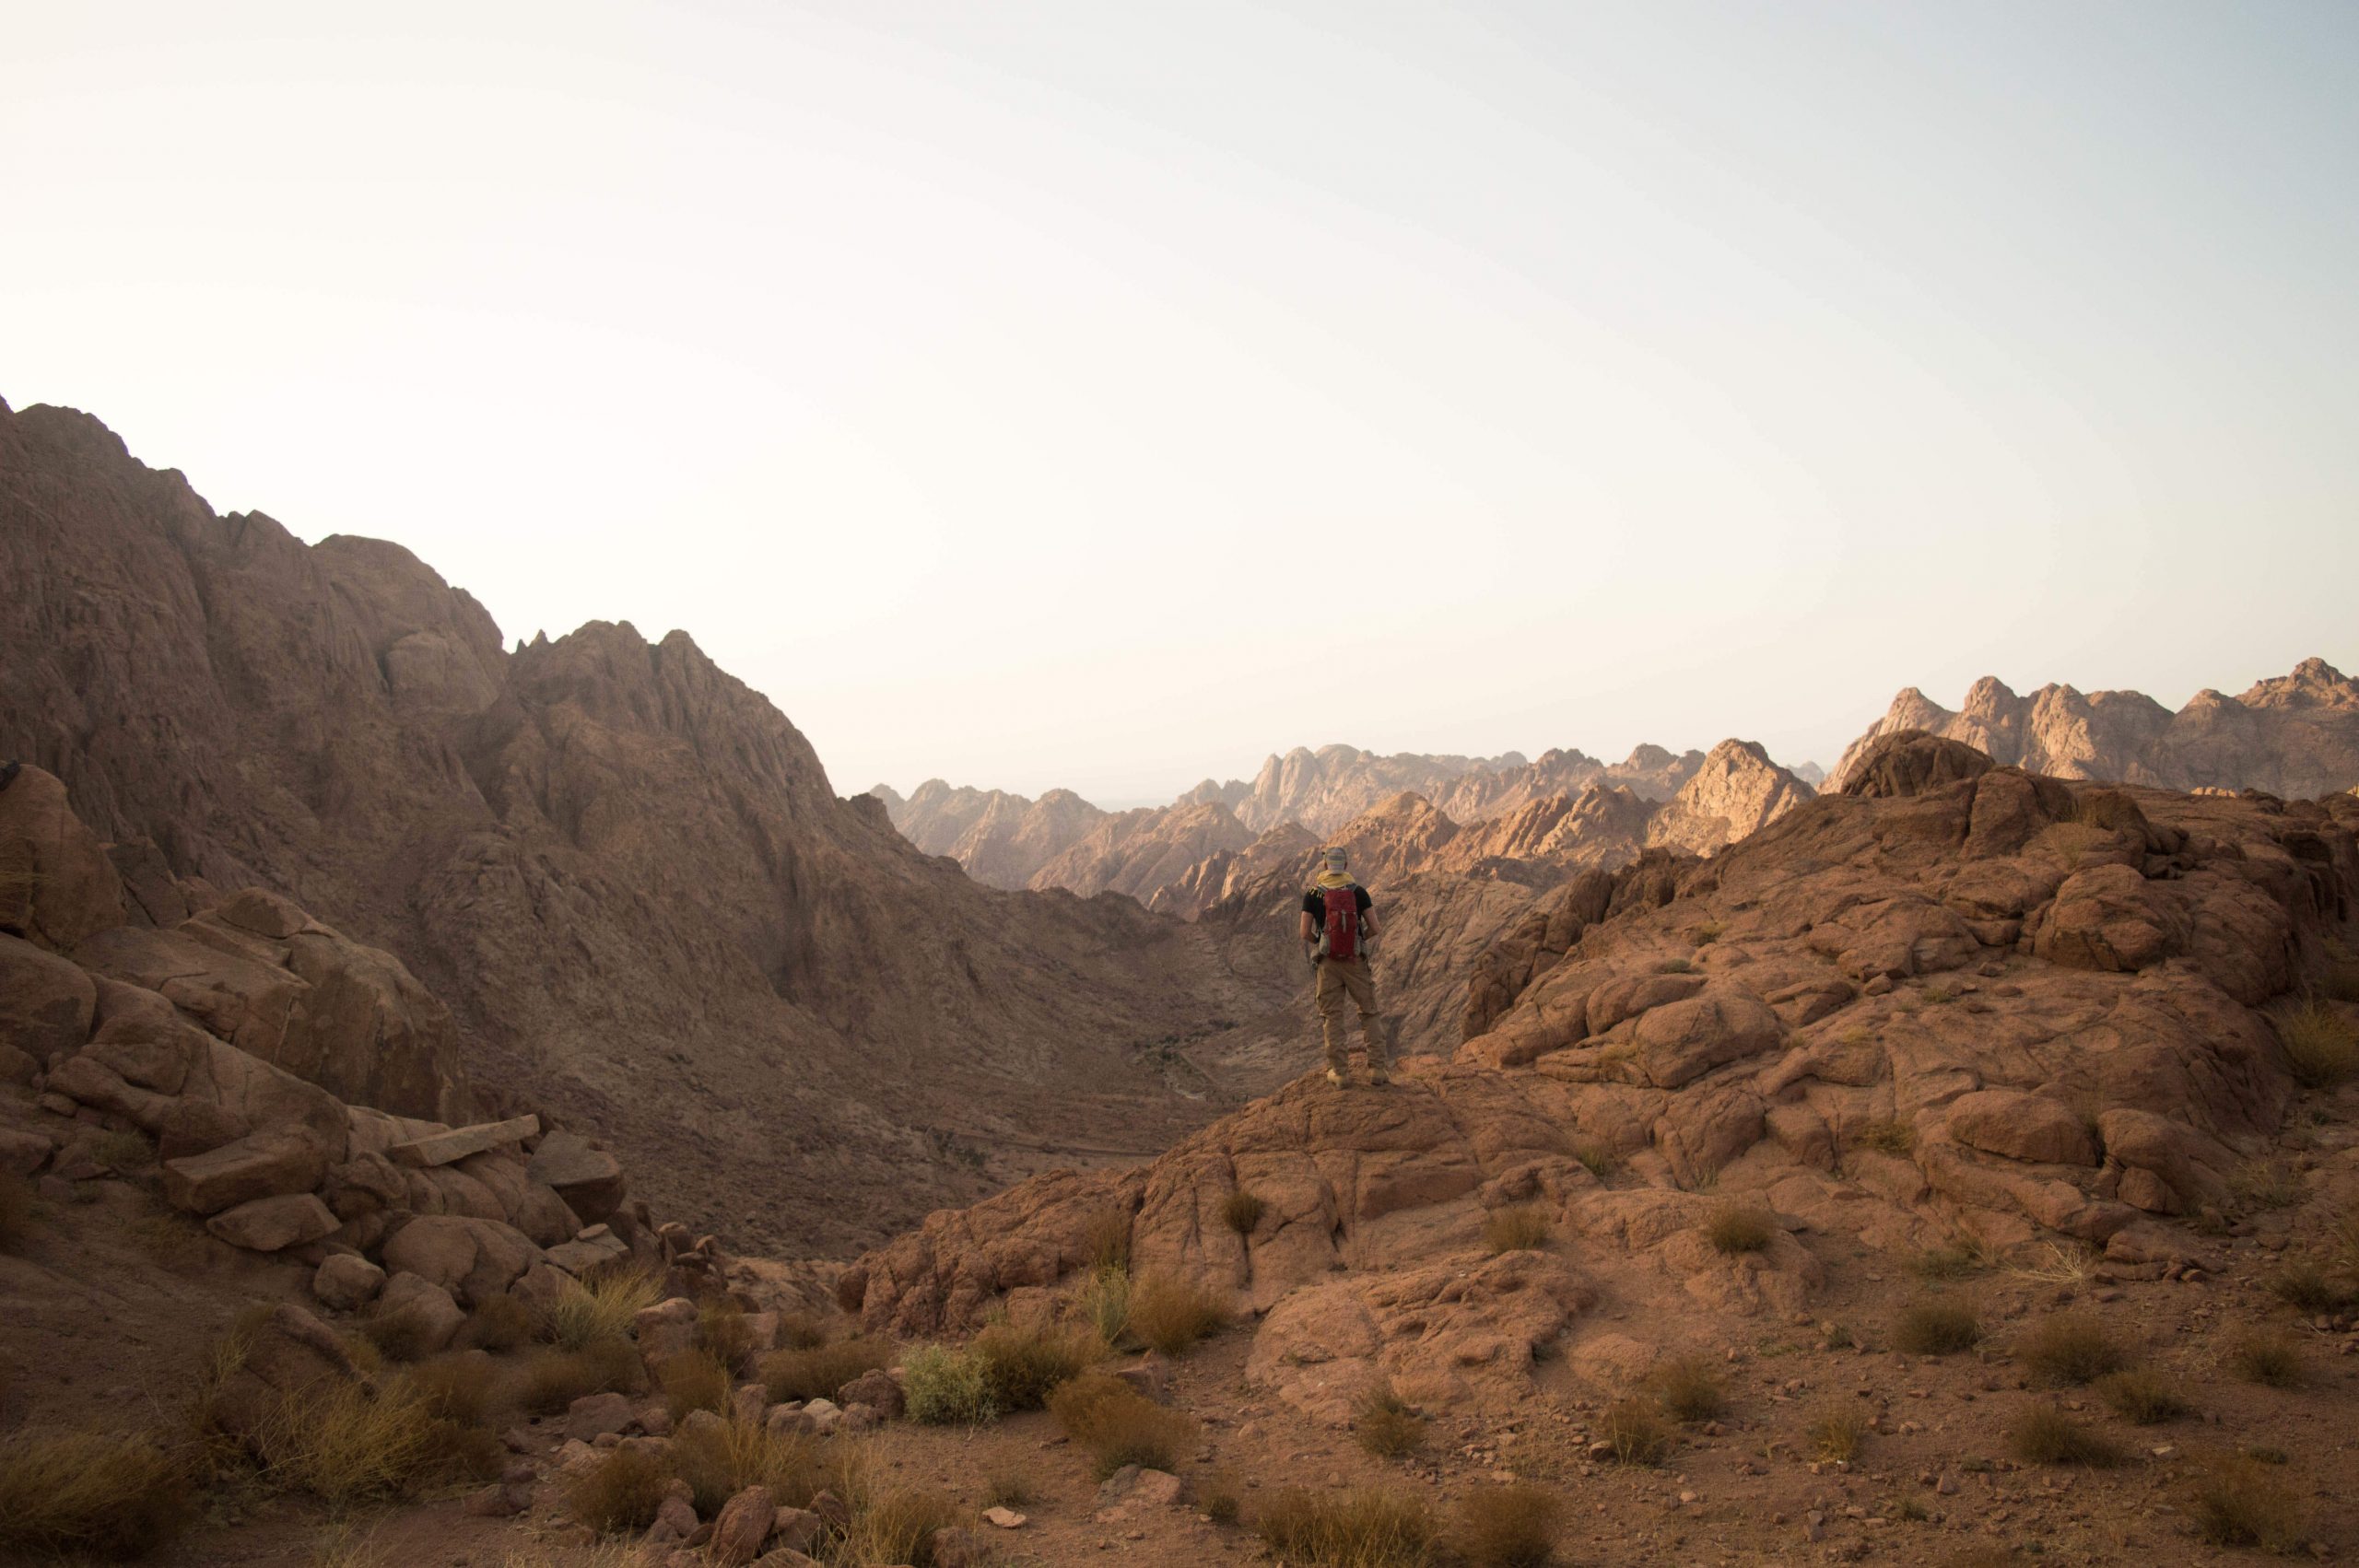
(1331, 879)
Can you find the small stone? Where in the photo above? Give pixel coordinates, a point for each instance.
(1004, 1519)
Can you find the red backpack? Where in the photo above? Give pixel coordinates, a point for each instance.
(1343, 923)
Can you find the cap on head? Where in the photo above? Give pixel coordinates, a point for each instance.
(1336, 858)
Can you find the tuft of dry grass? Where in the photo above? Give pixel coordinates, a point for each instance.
(1521, 1227)
(2141, 1396)
(803, 1330)
(1952, 1263)
(16, 1210)
(1105, 1239)
(947, 1388)
(1673, 967)
(1937, 1328)
(2308, 1287)
(1104, 1301)
(1023, 1365)
(498, 1323)
(2269, 1359)
(896, 1524)
(1634, 1434)
(1220, 1497)
(465, 1386)
(723, 1333)
(695, 1380)
(1169, 1314)
(2043, 1434)
(2238, 1501)
(551, 1377)
(90, 1493)
(1369, 1528)
(1385, 1425)
(818, 1371)
(719, 1462)
(1888, 1137)
(619, 1494)
(1241, 1212)
(1506, 1527)
(2071, 1347)
(1837, 1432)
(398, 1334)
(1689, 1389)
(1119, 1426)
(1007, 1489)
(599, 1308)
(1733, 1230)
(2322, 1045)
(1598, 1159)
(351, 1444)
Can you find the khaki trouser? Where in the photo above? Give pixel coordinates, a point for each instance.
(1338, 981)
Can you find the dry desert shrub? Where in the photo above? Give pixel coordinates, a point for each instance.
(1506, 1527)
(695, 1380)
(1007, 1489)
(947, 1388)
(2141, 1396)
(1936, 1328)
(1104, 1302)
(1169, 1314)
(1689, 1389)
(1242, 1211)
(498, 1323)
(351, 1444)
(722, 1332)
(1633, 1433)
(1119, 1426)
(599, 1308)
(719, 1461)
(1220, 1497)
(2308, 1287)
(1105, 1239)
(1354, 1529)
(2269, 1359)
(803, 1330)
(1733, 1230)
(2071, 1348)
(1598, 1159)
(2046, 1435)
(551, 1377)
(465, 1386)
(896, 1524)
(99, 1495)
(619, 1494)
(2238, 1501)
(16, 1209)
(1837, 1432)
(398, 1334)
(1021, 1366)
(1887, 1137)
(1521, 1227)
(818, 1371)
(2322, 1045)
(1385, 1426)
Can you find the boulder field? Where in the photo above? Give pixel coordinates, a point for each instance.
(1957, 1004)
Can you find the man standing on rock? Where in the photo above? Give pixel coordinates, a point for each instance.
(1338, 924)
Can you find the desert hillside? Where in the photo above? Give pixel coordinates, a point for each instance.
(624, 876)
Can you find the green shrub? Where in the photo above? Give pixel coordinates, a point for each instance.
(947, 1388)
(1371, 1528)
(1242, 1211)
(1117, 1426)
(1936, 1328)
(1522, 1227)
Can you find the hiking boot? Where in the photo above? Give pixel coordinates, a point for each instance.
(1378, 1077)
(1337, 1079)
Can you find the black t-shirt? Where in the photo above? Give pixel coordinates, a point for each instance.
(1314, 903)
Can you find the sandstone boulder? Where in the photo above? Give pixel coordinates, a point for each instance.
(474, 1258)
(261, 1165)
(347, 1281)
(588, 1178)
(428, 1310)
(56, 884)
(741, 1528)
(46, 1003)
(2022, 1127)
(274, 1224)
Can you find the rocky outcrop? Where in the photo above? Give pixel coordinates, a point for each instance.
(1140, 852)
(1002, 839)
(1959, 1002)
(1735, 793)
(2295, 736)
(624, 874)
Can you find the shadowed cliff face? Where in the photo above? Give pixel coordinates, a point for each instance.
(625, 871)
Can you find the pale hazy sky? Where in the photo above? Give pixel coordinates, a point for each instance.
(1105, 394)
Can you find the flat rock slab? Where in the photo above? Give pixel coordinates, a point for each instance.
(444, 1148)
(274, 1224)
